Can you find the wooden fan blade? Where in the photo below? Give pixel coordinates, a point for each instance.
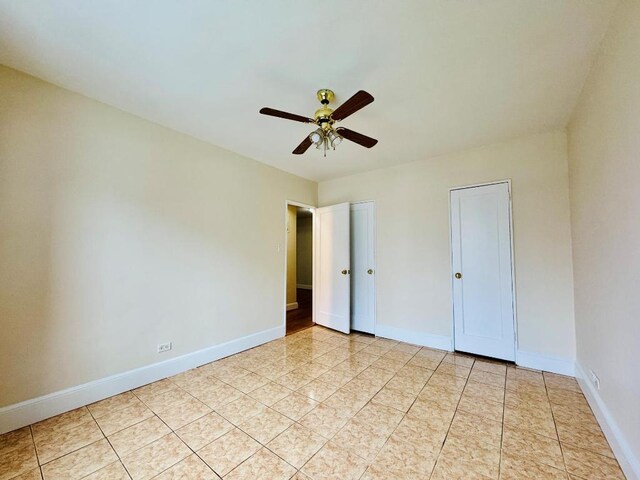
(359, 100)
(356, 137)
(304, 145)
(289, 116)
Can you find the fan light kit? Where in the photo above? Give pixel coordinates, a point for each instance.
(326, 135)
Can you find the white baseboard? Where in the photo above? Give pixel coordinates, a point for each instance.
(292, 306)
(302, 286)
(537, 361)
(627, 459)
(440, 342)
(30, 411)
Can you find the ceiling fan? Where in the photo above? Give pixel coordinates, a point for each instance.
(326, 135)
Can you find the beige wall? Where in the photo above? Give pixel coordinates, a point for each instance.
(305, 250)
(604, 154)
(413, 256)
(118, 234)
(292, 215)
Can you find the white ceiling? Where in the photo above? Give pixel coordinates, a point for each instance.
(446, 75)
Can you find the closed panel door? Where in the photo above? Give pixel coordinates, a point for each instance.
(332, 285)
(482, 271)
(362, 267)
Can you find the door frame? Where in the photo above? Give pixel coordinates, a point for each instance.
(375, 261)
(313, 260)
(513, 262)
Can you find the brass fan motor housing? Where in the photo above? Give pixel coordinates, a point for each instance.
(323, 114)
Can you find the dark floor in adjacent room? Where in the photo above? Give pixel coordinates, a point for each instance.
(301, 317)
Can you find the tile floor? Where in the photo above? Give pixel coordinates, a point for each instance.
(322, 405)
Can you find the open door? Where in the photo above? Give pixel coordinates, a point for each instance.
(332, 270)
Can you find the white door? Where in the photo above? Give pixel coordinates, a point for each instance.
(362, 267)
(482, 271)
(332, 267)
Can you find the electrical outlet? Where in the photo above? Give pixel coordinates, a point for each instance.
(164, 347)
(595, 380)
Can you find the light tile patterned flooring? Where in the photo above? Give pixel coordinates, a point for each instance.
(322, 405)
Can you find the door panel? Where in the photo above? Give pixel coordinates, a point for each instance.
(362, 262)
(332, 286)
(481, 253)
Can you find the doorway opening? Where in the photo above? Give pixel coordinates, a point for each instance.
(330, 267)
(299, 268)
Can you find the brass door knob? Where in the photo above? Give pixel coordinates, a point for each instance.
(344, 272)
(458, 275)
(370, 271)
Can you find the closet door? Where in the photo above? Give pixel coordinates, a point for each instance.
(363, 267)
(482, 271)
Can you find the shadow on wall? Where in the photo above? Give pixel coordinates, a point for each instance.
(118, 234)
(304, 253)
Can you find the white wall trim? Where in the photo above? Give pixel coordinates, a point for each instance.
(627, 459)
(547, 363)
(292, 306)
(302, 286)
(440, 342)
(30, 411)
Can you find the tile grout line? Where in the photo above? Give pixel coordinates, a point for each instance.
(281, 354)
(330, 439)
(137, 423)
(70, 451)
(454, 414)
(109, 441)
(561, 443)
(555, 425)
(403, 413)
(260, 443)
(172, 432)
(368, 402)
(412, 403)
(33, 441)
(504, 412)
(238, 427)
